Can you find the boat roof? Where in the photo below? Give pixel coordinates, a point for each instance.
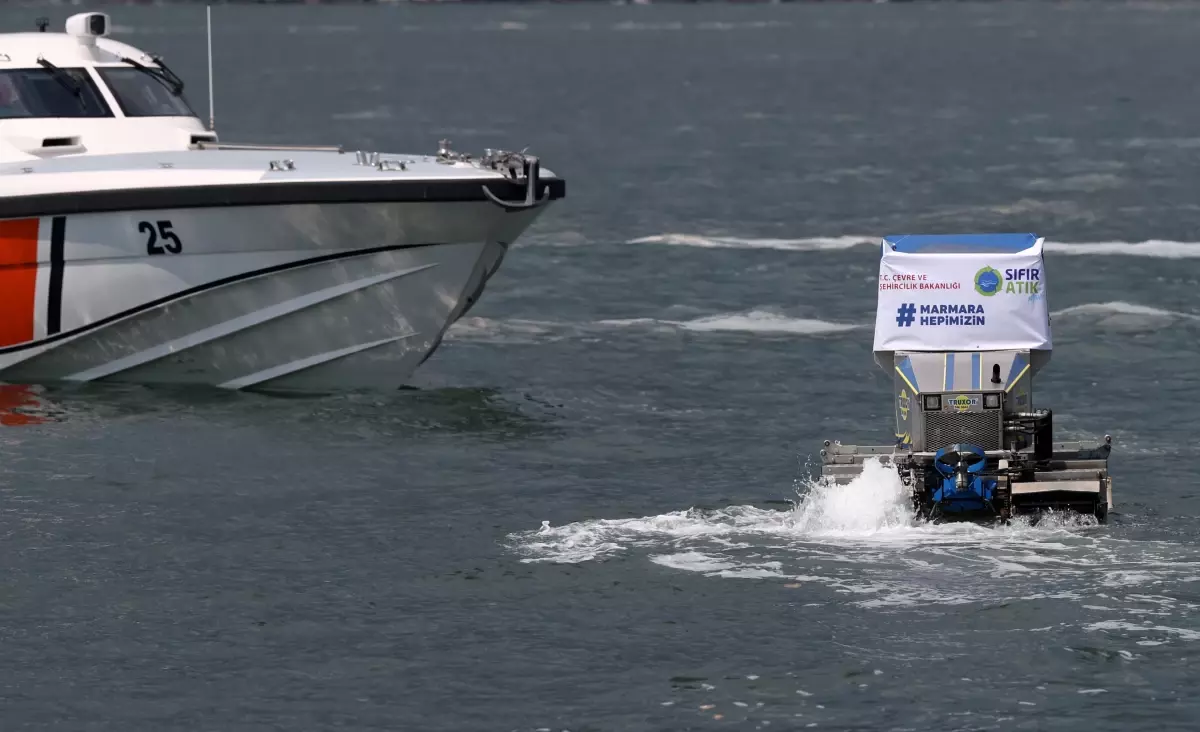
(126, 138)
(955, 243)
(22, 50)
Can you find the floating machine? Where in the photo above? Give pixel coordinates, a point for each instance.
(963, 325)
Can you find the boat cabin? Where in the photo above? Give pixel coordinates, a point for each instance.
(80, 92)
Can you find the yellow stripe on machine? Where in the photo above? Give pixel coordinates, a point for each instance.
(906, 381)
(1014, 382)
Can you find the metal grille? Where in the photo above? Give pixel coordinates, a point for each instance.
(977, 428)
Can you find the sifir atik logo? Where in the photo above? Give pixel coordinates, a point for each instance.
(1022, 281)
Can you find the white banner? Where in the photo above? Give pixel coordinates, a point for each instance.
(962, 301)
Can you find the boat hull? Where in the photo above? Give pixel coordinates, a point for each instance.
(295, 297)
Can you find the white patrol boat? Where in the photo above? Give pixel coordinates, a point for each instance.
(136, 247)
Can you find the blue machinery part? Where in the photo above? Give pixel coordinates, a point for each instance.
(962, 489)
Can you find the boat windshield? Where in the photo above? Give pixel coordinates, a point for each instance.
(50, 92)
(141, 94)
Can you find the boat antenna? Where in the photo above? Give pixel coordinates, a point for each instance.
(211, 125)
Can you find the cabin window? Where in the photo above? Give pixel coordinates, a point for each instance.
(142, 95)
(58, 92)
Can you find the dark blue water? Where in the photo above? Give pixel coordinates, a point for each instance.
(579, 519)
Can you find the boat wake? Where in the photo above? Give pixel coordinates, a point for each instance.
(1154, 248)
(511, 331)
(1116, 314)
(859, 544)
(868, 513)
(753, 321)
(826, 243)
(1119, 311)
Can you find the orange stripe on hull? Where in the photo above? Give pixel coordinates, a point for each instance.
(18, 279)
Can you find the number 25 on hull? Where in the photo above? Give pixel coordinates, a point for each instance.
(159, 238)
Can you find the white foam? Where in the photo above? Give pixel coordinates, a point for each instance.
(364, 114)
(1181, 633)
(861, 541)
(811, 244)
(701, 26)
(1121, 308)
(743, 25)
(1154, 248)
(873, 510)
(757, 321)
(630, 25)
(508, 25)
(526, 331)
(874, 501)
(504, 331)
(517, 330)
(294, 29)
(754, 321)
(713, 567)
(1157, 248)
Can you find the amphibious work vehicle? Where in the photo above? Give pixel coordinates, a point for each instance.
(963, 326)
